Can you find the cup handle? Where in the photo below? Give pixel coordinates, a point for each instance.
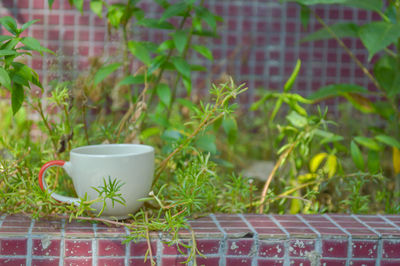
(43, 185)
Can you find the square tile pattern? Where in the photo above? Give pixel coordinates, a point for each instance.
(237, 239)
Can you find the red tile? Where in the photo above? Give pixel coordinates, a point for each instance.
(12, 223)
(333, 262)
(364, 249)
(13, 246)
(140, 262)
(363, 262)
(174, 249)
(14, 230)
(233, 224)
(208, 246)
(140, 248)
(274, 262)
(271, 249)
(173, 261)
(334, 248)
(335, 232)
(13, 262)
(391, 249)
(45, 262)
(300, 262)
(208, 261)
(239, 247)
(263, 224)
(390, 262)
(202, 224)
(78, 248)
(108, 247)
(293, 224)
(301, 232)
(299, 247)
(271, 232)
(46, 247)
(243, 261)
(111, 261)
(78, 261)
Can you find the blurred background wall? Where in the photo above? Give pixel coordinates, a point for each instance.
(259, 43)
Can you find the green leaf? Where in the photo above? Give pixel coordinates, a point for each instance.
(78, 5)
(387, 73)
(304, 16)
(104, 72)
(97, 7)
(341, 30)
(171, 135)
(5, 38)
(34, 44)
(373, 162)
(188, 104)
(289, 83)
(182, 66)
(115, 14)
(180, 38)
(140, 51)
(8, 52)
(28, 24)
(336, 90)
(5, 78)
(356, 156)
(297, 120)
(188, 84)
(375, 5)
(390, 141)
(157, 63)
(378, 35)
(367, 142)
(149, 132)
(207, 143)
(17, 98)
(204, 51)
(10, 24)
(164, 93)
(129, 80)
(155, 23)
(207, 16)
(166, 45)
(230, 128)
(177, 9)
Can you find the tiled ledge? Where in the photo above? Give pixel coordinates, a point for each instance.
(223, 239)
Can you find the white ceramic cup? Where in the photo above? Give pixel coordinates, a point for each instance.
(130, 164)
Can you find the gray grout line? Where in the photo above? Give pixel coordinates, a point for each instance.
(2, 218)
(286, 241)
(94, 245)
(256, 244)
(62, 243)
(379, 256)
(127, 248)
(29, 244)
(388, 221)
(224, 245)
(159, 249)
(350, 239)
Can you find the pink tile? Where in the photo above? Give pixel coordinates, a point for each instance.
(299, 262)
(293, 224)
(13, 246)
(270, 232)
(45, 262)
(364, 249)
(208, 246)
(391, 249)
(333, 262)
(239, 247)
(299, 247)
(78, 248)
(243, 261)
(46, 247)
(301, 232)
(78, 261)
(363, 262)
(111, 261)
(233, 224)
(336, 232)
(390, 262)
(271, 249)
(108, 247)
(140, 248)
(334, 248)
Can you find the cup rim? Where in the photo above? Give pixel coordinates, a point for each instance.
(144, 149)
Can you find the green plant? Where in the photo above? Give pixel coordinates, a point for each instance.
(15, 76)
(381, 39)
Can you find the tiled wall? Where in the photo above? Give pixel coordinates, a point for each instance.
(258, 44)
(246, 240)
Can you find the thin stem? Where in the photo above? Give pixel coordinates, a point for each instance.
(272, 174)
(148, 240)
(46, 123)
(85, 124)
